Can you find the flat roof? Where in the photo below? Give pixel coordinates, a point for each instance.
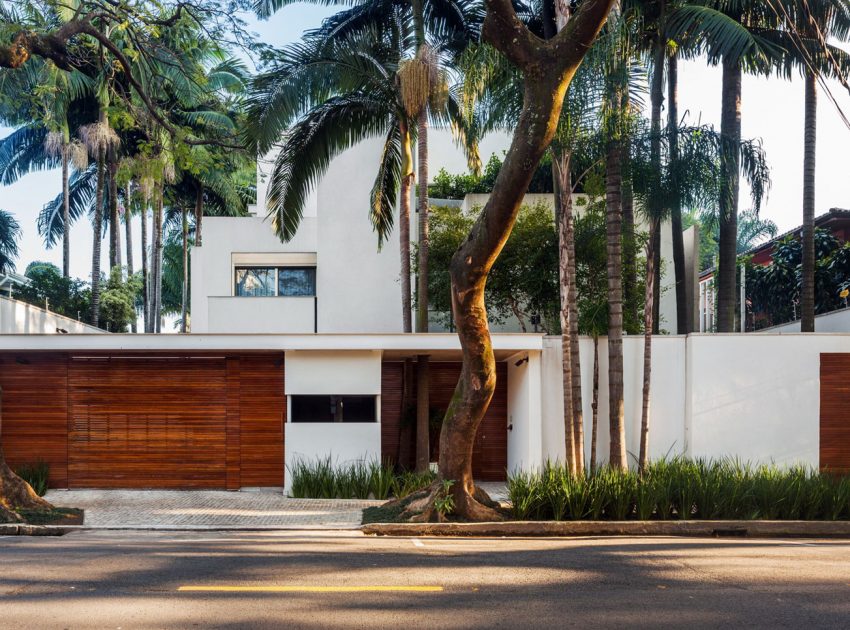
(393, 345)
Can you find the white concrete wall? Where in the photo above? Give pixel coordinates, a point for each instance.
(358, 285)
(333, 372)
(754, 397)
(259, 315)
(667, 392)
(343, 442)
(836, 321)
(212, 271)
(524, 411)
(21, 318)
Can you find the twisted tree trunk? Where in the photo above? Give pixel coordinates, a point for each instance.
(807, 293)
(548, 67)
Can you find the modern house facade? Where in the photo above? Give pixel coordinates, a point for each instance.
(296, 352)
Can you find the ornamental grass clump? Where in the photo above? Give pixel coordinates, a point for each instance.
(324, 478)
(680, 488)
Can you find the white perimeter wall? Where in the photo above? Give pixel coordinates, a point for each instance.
(332, 373)
(755, 397)
(836, 321)
(21, 318)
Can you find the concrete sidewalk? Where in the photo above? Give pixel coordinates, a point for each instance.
(214, 510)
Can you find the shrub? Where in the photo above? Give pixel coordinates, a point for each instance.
(36, 475)
(323, 479)
(681, 489)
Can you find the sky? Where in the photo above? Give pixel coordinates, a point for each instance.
(772, 110)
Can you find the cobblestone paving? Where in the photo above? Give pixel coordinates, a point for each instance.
(162, 509)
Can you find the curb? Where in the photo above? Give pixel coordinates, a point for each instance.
(22, 529)
(752, 529)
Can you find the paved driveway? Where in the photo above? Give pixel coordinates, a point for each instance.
(167, 509)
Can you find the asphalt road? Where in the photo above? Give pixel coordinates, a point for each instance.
(341, 579)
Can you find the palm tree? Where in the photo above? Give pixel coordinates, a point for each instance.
(810, 26)
(739, 35)
(10, 233)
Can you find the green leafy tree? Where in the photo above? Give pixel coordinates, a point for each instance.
(49, 287)
(118, 301)
(10, 233)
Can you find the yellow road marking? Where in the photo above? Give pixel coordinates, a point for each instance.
(311, 589)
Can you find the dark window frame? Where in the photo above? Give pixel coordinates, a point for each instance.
(331, 408)
(275, 281)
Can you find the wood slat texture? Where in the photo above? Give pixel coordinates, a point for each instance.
(147, 422)
(490, 452)
(262, 408)
(35, 412)
(835, 412)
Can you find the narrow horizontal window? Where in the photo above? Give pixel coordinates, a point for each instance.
(255, 281)
(321, 408)
(296, 281)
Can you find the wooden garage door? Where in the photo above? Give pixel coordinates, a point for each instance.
(147, 422)
(835, 412)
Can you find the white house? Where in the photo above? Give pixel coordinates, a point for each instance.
(296, 351)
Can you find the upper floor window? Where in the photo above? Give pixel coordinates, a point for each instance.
(271, 281)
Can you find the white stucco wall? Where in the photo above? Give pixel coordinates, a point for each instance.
(21, 318)
(754, 397)
(524, 411)
(358, 285)
(343, 442)
(332, 373)
(836, 321)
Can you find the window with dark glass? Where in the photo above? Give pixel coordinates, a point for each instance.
(255, 281)
(322, 408)
(275, 281)
(296, 281)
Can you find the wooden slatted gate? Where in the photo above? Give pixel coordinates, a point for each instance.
(835, 412)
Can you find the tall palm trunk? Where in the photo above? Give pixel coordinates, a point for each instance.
(566, 251)
(423, 446)
(571, 359)
(657, 101)
(684, 308)
(184, 298)
(157, 259)
(66, 215)
(114, 222)
(730, 131)
(128, 238)
(96, 244)
(614, 220)
(594, 405)
(807, 293)
(648, 311)
(146, 312)
(199, 215)
(404, 225)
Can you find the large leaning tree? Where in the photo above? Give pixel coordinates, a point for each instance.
(547, 67)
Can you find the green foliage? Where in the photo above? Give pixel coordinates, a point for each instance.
(66, 296)
(444, 503)
(118, 300)
(36, 475)
(322, 478)
(774, 290)
(10, 233)
(447, 186)
(681, 489)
